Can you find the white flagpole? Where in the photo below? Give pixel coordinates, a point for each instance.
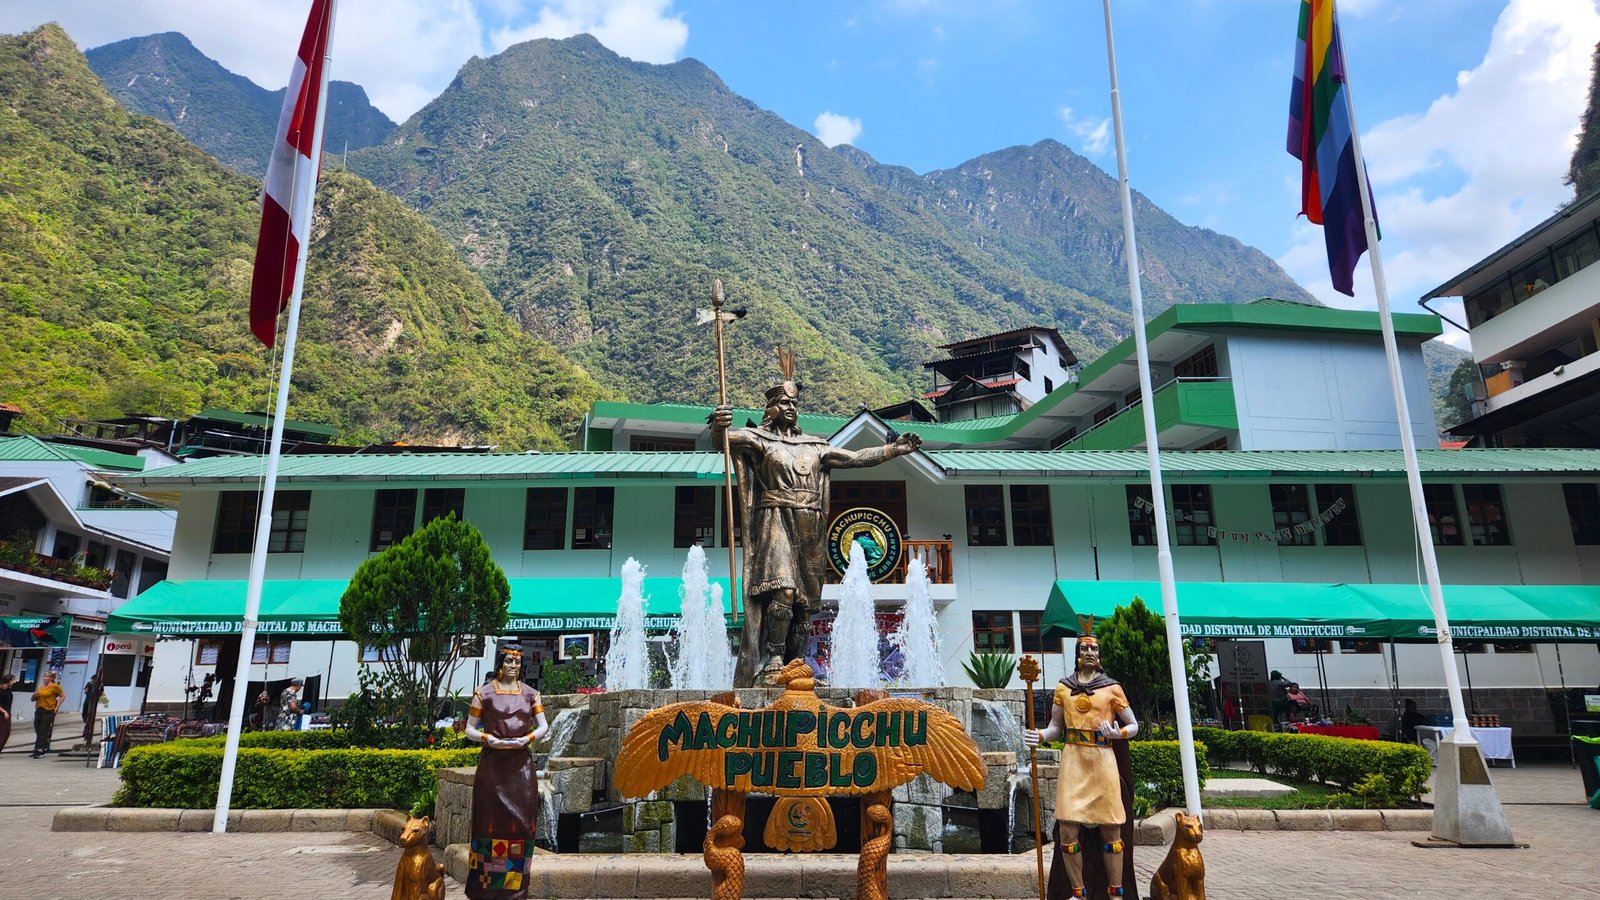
(1408, 441)
(304, 194)
(1169, 585)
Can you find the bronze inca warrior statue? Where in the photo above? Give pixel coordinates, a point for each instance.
(783, 496)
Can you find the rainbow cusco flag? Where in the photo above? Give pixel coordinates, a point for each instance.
(1320, 136)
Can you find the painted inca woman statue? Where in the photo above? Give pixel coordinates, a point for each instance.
(1094, 789)
(783, 496)
(506, 717)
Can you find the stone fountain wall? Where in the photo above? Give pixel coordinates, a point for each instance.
(580, 778)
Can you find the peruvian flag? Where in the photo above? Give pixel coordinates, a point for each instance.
(294, 160)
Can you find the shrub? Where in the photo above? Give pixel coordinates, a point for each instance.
(184, 774)
(392, 738)
(990, 670)
(1372, 773)
(1158, 771)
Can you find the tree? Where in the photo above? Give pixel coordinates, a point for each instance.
(413, 600)
(1133, 650)
(1457, 400)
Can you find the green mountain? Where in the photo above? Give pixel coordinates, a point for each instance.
(125, 257)
(599, 197)
(227, 115)
(1049, 212)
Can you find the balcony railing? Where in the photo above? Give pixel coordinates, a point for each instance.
(939, 555)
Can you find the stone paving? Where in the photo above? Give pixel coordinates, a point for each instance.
(1542, 804)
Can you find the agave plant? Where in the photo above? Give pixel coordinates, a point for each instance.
(990, 670)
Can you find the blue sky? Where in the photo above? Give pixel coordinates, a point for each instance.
(1468, 108)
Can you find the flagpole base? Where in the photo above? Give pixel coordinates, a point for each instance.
(1466, 807)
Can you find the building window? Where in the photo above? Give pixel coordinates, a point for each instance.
(1344, 529)
(1024, 371)
(1291, 506)
(1200, 364)
(652, 443)
(1312, 645)
(1486, 515)
(1220, 443)
(694, 516)
(1444, 519)
(1030, 515)
(1048, 384)
(291, 510)
(270, 652)
(986, 516)
(153, 572)
(1031, 624)
(1359, 646)
(1513, 647)
(122, 576)
(544, 523)
(440, 502)
(736, 539)
(371, 654)
(1131, 399)
(1192, 516)
(236, 522)
(207, 651)
(1583, 512)
(1141, 516)
(1063, 438)
(1105, 413)
(66, 545)
(95, 556)
(591, 518)
(991, 632)
(394, 515)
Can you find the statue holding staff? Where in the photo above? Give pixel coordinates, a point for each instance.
(1094, 787)
(783, 479)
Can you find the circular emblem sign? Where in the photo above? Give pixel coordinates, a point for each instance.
(877, 534)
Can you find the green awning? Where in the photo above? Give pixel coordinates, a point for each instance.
(1342, 611)
(310, 609)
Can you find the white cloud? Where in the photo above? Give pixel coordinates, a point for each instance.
(404, 52)
(637, 29)
(1502, 139)
(928, 68)
(1092, 137)
(834, 129)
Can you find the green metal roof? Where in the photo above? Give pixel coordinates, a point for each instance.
(310, 609)
(438, 467)
(1266, 314)
(1236, 609)
(703, 466)
(1265, 463)
(257, 420)
(27, 448)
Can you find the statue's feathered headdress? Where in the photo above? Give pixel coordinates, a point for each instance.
(1086, 630)
(788, 387)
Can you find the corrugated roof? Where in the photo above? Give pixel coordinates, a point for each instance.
(438, 467)
(260, 420)
(27, 448)
(708, 466)
(1134, 463)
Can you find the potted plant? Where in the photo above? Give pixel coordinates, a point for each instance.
(990, 670)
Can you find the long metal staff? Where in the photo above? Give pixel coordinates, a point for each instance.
(1028, 668)
(727, 453)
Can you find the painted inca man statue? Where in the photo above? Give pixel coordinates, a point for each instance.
(783, 497)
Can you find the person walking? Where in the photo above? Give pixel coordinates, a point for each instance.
(6, 682)
(46, 700)
(289, 708)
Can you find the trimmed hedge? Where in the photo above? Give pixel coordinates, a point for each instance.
(325, 739)
(1384, 772)
(185, 774)
(1158, 770)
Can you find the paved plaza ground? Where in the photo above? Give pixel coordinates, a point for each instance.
(1542, 804)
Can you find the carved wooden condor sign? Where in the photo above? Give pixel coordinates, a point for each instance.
(801, 750)
(799, 746)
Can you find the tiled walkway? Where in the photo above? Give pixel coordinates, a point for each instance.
(1542, 803)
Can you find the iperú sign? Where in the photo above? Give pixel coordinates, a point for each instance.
(797, 747)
